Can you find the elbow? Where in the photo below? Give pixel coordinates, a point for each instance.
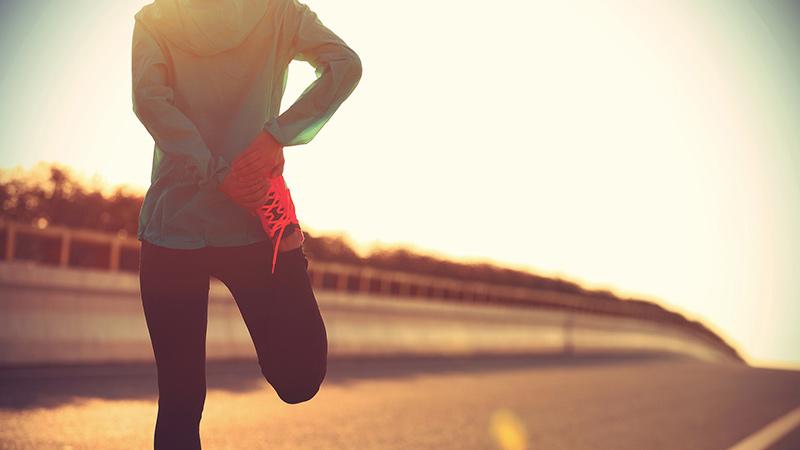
(146, 103)
(338, 58)
(139, 107)
(136, 106)
(355, 66)
(146, 109)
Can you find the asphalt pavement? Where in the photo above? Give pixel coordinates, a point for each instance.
(520, 402)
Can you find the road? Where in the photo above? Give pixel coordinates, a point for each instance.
(556, 402)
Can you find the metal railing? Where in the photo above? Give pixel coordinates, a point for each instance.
(117, 252)
(120, 252)
(14, 232)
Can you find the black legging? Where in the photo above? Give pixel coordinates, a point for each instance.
(279, 310)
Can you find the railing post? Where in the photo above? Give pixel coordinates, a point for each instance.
(481, 293)
(113, 259)
(363, 280)
(341, 280)
(63, 256)
(11, 237)
(404, 286)
(386, 283)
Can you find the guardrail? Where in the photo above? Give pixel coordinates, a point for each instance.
(66, 247)
(55, 245)
(53, 315)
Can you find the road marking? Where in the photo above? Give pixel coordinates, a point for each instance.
(771, 433)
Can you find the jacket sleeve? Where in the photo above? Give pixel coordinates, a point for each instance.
(171, 129)
(338, 71)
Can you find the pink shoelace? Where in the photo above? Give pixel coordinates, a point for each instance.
(277, 213)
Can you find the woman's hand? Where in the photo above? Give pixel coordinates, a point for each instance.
(263, 158)
(248, 181)
(247, 195)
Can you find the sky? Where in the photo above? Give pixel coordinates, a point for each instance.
(649, 148)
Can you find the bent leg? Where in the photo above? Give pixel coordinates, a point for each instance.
(174, 286)
(281, 314)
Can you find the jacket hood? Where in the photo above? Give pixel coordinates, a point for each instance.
(203, 27)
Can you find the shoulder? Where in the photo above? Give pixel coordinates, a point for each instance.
(292, 8)
(148, 13)
(147, 25)
(156, 16)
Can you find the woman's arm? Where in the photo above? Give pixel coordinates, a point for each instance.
(153, 104)
(338, 70)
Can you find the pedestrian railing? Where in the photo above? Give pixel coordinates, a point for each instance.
(68, 247)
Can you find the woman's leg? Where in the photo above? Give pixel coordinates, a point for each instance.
(174, 286)
(281, 314)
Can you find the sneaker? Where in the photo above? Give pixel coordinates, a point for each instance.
(278, 216)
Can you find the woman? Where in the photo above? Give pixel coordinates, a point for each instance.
(208, 77)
